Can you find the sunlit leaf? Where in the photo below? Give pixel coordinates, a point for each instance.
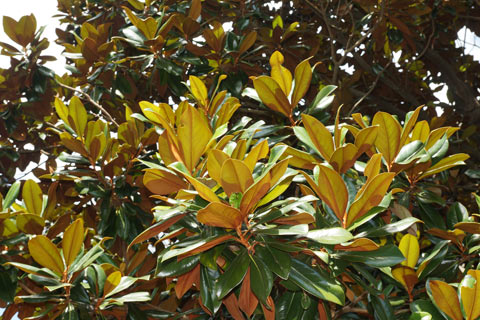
(72, 241)
(220, 215)
(45, 253)
(445, 297)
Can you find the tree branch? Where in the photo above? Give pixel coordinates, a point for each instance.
(90, 99)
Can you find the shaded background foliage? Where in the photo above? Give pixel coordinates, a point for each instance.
(396, 51)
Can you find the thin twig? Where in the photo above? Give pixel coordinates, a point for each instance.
(90, 99)
(372, 87)
(429, 41)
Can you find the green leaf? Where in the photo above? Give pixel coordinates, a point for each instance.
(382, 308)
(434, 259)
(87, 259)
(234, 274)
(261, 279)
(125, 283)
(12, 195)
(315, 283)
(8, 283)
(457, 213)
(177, 268)
(410, 152)
(299, 229)
(386, 256)
(323, 98)
(208, 277)
(278, 261)
(425, 306)
(330, 236)
(389, 228)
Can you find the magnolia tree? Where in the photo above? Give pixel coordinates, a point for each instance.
(182, 181)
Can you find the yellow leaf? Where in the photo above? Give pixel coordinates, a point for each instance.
(32, 197)
(446, 163)
(62, 110)
(240, 150)
(167, 148)
(388, 137)
(283, 76)
(148, 26)
(303, 77)
(46, 254)
(471, 296)
(446, 299)
(112, 282)
(276, 191)
(373, 166)
(272, 95)
(220, 215)
(300, 159)
(320, 136)
(161, 114)
(226, 111)
(331, 189)
(215, 160)
(193, 136)
(253, 194)
(360, 244)
(410, 250)
(199, 91)
(359, 120)
(203, 191)
(437, 134)
(278, 170)
(405, 276)
(365, 139)
(78, 114)
(258, 152)
(344, 158)
(369, 197)
(72, 241)
(235, 176)
(420, 131)
(162, 182)
(409, 125)
(276, 59)
(336, 128)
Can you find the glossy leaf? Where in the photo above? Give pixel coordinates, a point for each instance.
(371, 196)
(316, 283)
(303, 76)
(319, 135)
(410, 249)
(235, 176)
(471, 295)
(272, 95)
(78, 114)
(388, 137)
(445, 297)
(72, 241)
(233, 275)
(12, 195)
(46, 254)
(446, 163)
(261, 279)
(162, 182)
(220, 215)
(32, 197)
(331, 189)
(193, 135)
(330, 235)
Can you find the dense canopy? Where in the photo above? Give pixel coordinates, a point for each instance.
(241, 160)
